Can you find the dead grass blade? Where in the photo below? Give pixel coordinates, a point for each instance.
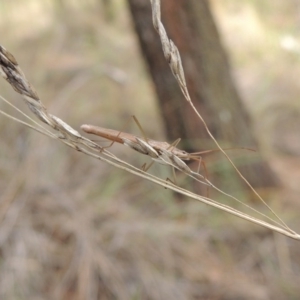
(173, 57)
(12, 73)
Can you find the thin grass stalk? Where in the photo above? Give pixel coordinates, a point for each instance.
(173, 57)
(12, 73)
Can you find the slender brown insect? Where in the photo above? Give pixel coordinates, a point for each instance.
(153, 148)
(161, 152)
(131, 140)
(144, 146)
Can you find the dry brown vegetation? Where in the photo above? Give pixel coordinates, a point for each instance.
(75, 228)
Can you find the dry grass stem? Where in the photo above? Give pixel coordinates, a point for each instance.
(12, 73)
(163, 153)
(173, 57)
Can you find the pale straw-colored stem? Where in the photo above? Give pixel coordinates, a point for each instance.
(173, 57)
(10, 71)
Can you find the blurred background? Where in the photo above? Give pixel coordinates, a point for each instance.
(75, 228)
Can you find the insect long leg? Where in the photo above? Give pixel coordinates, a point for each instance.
(111, 143)
(201, 162)
(140, 127)
(174, 144)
